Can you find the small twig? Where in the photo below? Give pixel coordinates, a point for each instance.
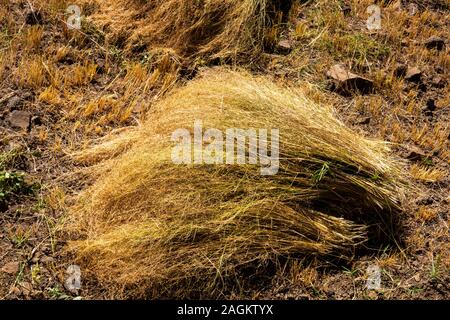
(317, 38)
(9, 95)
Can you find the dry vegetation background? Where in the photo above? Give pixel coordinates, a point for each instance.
(61, 89)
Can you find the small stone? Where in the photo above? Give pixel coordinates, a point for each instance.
(26, 288)
(47, 259)
(14, 103)
(11, 268)
(346, 81)
(413, 74)
(435, 42)
(415, 154)
(372, 295)
(20, 119)
(438, 82)
(284, 46)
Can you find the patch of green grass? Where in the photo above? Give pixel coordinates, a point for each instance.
(92, 31)
(20, 238)
(321, 173)
(9, 159)
(56, 293)
(5, 38)
(375, 176)
(20, 274)
(427, 161)
(12, 184)
(414, 291)
(353, 272)
(435, 265)
(358, 47)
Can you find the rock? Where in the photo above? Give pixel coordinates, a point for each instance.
(284, 46)
(435, 42)
(27, 95)
(14, 103)
(47, 259)
(413, 74)
(33, 17)
(20, 119)
(346, 81)
(438, 82)
(11, 268)
(415, 154)
(26, 288)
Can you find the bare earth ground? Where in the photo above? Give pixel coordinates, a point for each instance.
(60, 88)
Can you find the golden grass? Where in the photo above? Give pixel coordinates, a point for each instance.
(31, 73)
(427, 174)
(216, 29)
(426, 214)
(51, 96)
(81, 74)
(162, 229)
(33, 37)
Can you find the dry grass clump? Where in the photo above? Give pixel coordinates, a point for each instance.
(161, 229)
(217, 28)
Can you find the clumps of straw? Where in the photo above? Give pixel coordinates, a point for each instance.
(166, 230)
(213, 29)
